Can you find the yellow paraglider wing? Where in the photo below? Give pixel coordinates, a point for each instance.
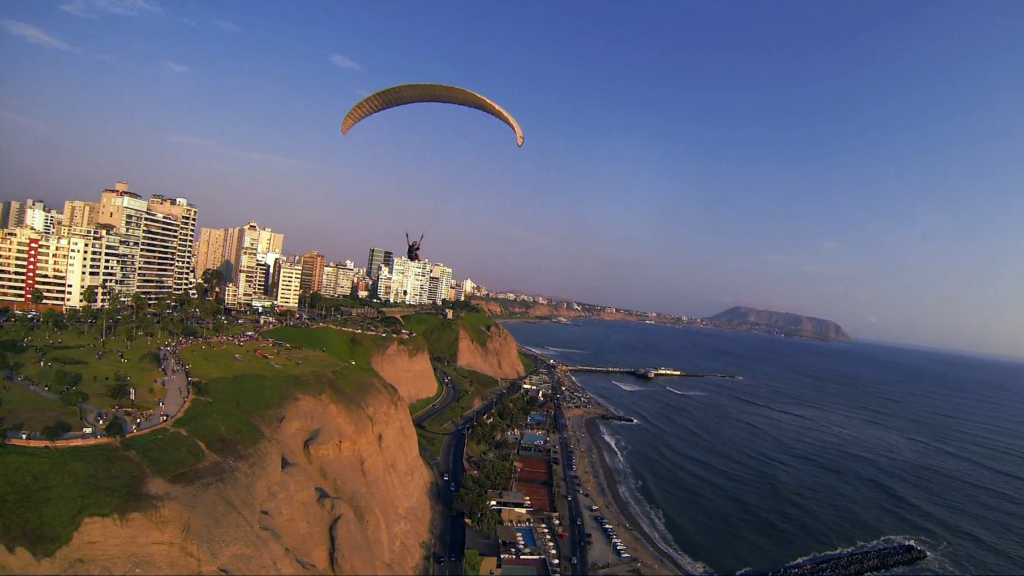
(420, 93)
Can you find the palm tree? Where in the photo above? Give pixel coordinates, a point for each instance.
(37, 298)
(49, 320)
(73, 316)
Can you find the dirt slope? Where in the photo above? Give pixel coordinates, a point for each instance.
(257, 518)
(499, 358)
(407, 370)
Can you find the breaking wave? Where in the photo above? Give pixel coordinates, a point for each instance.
(627, 387)
(566, 350)
(684, 393)
(651, 517)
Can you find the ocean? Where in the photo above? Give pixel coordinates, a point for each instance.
(820, 447)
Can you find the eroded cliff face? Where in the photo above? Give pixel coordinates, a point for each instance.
(333, 490)
(408, 370)
(498, 359)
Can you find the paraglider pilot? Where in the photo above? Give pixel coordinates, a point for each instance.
(414, 248)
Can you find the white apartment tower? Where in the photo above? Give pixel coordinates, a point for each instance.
(185, 214)
(288, 282)
(439, 284)
(410, 281)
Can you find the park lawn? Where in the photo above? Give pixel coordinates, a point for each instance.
(442, 335)
(45, 494)
(343, 345)
(23, 409)
(217, 360)
(240, 396)
(78, 355)
(165, 452)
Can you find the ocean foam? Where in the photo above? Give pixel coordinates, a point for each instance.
(650, 517)
(567, 350)
(684, 393)
(627, 387)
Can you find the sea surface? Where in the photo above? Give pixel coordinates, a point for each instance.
(819, 447)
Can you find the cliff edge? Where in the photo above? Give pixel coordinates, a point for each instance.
(408, 370)
(498, 358)
(332, 489)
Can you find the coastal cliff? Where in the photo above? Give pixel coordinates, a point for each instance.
(498, 357)
(786, 323)
(331, 489)
(408, 370)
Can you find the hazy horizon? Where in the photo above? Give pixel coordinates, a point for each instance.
(858, 162)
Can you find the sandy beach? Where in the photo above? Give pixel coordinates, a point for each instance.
(596, 473)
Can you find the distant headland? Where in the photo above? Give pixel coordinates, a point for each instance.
(780, 323)
(513, 307)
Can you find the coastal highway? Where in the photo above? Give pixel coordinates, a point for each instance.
(448, 395)
(577, 532)
(451, 538)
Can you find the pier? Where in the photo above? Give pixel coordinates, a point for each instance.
(649, 373)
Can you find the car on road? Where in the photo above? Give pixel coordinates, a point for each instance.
(445, 477)
(450, 556)
(573, 559)
(439, 560)
(453, 486)
(579, 522)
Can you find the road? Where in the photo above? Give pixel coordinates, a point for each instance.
(451, 538)
(448, 395)
(577, 532)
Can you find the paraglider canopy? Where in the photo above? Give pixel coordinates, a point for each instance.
(421, 93)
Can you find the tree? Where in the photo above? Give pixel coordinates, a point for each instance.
(73, 398)
(5, 313)
(59, 428)
(90, 295)
(472, 561)
(114, 429)
(120, 388)
(73, 317)
(66, 378)
(37, 298)
(211, 281)
(49, 319)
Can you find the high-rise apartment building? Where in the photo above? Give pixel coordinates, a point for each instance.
(12, 214)
(80, 214)
(410, 281)
(288, 284)
(382, 286)
(39, 218)
(312, 271)
(209, 253)
(378, 257)
(185, 214)
(150, 240)
(29, 260)
(94, 259)
(439, 284)
(244, 255)
(338, 279)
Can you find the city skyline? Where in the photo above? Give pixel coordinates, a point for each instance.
(863, 169)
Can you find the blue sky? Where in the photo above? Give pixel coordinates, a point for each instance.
(857, 161)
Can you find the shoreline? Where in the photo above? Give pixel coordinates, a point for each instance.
(597, 472)
(610, 486)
